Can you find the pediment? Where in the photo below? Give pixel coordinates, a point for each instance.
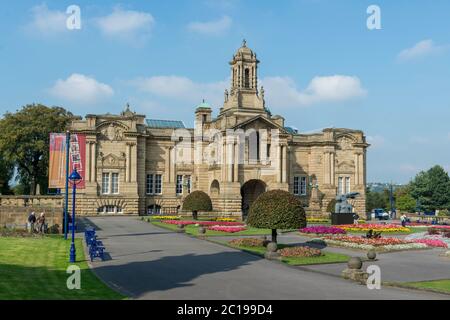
(112, 130)
(259, 122)
(112, 160)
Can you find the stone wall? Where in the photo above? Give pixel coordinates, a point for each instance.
(14, 210)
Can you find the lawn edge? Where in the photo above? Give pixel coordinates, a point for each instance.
(404, 285)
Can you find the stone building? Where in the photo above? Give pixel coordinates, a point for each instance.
(139, 166)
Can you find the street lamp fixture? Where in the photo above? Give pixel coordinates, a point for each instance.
(74, 179)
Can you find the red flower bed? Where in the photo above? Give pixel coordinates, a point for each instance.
(229, 229)
(203, 223)
(373, 242)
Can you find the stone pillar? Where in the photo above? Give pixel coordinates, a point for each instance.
(279, 165)
(128, 167)
(224, 159)
(94, 162)
(356, 169)
(88, 162)
(332, 168)
(167, 166)
(285, 163)
(263, 147)
(230, 159)
(172, 164)
(133, 157)
(236, 162)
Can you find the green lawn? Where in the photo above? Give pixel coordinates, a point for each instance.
(193, 230)
(438, 285)
(35, 268)
(327, 257)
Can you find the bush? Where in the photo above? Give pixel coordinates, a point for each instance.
(277, 209)
(197, 201)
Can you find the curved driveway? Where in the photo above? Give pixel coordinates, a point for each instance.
(147, 262)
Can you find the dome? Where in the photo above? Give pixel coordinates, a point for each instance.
(244, 49)
(204, 105)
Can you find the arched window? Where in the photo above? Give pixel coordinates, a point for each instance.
(247, 78)
(215, 188)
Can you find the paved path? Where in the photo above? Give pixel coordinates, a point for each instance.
(151, 263)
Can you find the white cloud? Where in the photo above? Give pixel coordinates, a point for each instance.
(421, 49)
(183, 89)
(215, 27)
(80, 89)
(47, 22)
(126, 24)
(282, 91)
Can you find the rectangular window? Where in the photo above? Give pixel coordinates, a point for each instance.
(179, 186)
(149, 184)
(268, 151)
(188, 183)
(340, 185)
(115, 183)
(347, 185)
(296, 185)
(158, 184)
(303, 186)
(105, 183)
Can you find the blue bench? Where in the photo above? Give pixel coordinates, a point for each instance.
(96, 250)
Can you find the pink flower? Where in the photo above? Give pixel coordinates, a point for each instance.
(323, 230)
(230, 229)
(432, 243)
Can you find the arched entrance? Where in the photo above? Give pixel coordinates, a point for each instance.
(249, 192)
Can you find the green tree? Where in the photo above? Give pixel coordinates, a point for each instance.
(6, 173)
(376, 200)
(277, 209)
(406, 203)
(197, 201)
(24, 141)
(432, 189)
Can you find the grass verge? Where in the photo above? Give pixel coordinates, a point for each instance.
(35, 269)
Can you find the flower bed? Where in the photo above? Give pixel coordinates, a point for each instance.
(432, 243)
(381, 244)
(320, 230)
(317, 220)
(364, 227)
(226, 219)
(203, 223)
(166, 217)
(229, 229)
(247, 242)
(300, 251)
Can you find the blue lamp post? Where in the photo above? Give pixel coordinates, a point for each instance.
(74, 179)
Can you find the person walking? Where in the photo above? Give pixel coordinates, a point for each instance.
(31, 221)
(41, 222)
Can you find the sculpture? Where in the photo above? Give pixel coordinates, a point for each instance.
(342, 205)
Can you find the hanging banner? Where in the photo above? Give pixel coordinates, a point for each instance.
(57, 160)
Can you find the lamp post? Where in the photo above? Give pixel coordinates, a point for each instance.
(74, 179)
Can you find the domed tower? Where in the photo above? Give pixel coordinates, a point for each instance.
(244, 95)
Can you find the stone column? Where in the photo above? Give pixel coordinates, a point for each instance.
(167, 164)
(172, 164)
(332, 168)
(356, 168)
(133, 150)
(224, 159)
(236, 162)
(285, 163)
(128, 167)
(88, 162)
(230, 159)
(263, 147)
(279, 164)
(94, 162)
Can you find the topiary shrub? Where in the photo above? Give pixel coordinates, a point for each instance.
(197, 201)
(277, 209)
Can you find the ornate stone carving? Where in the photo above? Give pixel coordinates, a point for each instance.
(112, 133)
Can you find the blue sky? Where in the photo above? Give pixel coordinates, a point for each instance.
(320, 65)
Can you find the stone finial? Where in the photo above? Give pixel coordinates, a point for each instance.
(244, 43)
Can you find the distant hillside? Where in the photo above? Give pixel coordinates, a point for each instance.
(380, 186)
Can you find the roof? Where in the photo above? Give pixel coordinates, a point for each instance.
(164, 124)
(291, 130)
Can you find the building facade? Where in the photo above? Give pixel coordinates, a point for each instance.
(136, 165)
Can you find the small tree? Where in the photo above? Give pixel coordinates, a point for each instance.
(277, 209)
(197, 201)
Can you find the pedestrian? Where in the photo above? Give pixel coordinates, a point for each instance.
(355, 218)
(403, 220)
(31, 221)
(41, 222)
